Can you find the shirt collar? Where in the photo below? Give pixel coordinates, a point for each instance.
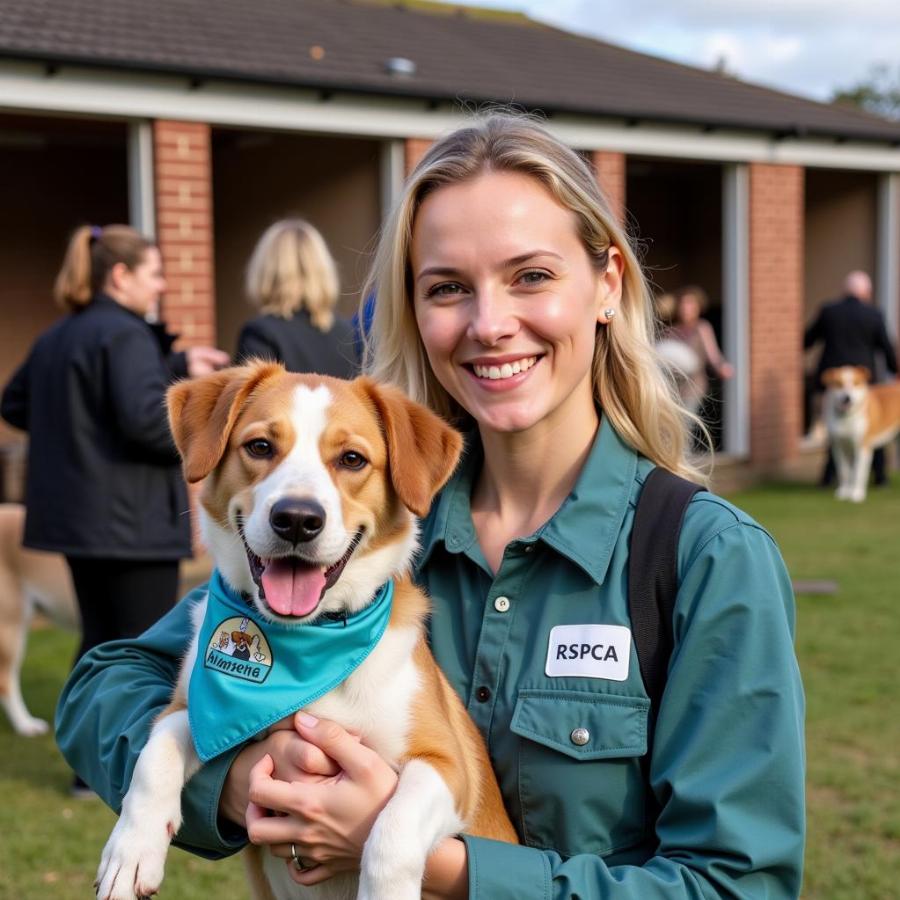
(584, 529)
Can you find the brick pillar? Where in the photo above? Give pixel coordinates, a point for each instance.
(610, 169)
(414, 150)
(184, 221)
(182, 164)
(776, 313)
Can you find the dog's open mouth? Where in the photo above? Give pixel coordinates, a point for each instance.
(292, 586)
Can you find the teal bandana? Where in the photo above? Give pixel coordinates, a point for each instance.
(251, 672)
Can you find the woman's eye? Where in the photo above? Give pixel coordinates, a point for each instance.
(445, 289)
(353, 460)
(259, 448)
(533, 277)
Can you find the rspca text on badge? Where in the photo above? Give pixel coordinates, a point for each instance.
(589, 651)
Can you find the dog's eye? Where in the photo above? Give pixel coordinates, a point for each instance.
(353, 460)
(259, 449)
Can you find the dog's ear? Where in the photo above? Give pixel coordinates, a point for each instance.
(422, 448)
(830, 378)
(864, 374)
(203, 411)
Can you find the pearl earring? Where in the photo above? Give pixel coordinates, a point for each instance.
(609, 313)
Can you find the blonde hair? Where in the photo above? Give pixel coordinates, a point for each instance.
(90, 257)
(291, 269)
(630, 381)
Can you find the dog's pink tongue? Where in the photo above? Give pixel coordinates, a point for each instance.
(292, 588)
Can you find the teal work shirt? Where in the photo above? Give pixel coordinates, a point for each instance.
(726, 765)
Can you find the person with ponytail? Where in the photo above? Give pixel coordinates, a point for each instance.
(103, 484)
(508, 299)
(292, 280)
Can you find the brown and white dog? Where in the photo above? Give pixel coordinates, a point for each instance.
(369, 460)
(859, 418)
(30, 581)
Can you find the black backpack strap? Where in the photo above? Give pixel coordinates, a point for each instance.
(653, 575)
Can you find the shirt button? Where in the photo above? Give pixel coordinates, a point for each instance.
(501, 604)
(483, 694)
(580, 736)
(529, 548)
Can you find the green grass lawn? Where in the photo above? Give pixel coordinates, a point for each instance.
(847, 644)
(50, 844)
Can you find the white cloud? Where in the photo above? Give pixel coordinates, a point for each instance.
(803, 46)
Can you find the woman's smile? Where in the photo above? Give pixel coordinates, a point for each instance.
(502, 373)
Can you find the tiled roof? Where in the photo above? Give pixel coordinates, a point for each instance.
(344, 45)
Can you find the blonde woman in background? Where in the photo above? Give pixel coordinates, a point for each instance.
(509, 300)
(292, 280)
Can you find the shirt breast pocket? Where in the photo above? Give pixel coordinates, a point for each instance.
(581, 787)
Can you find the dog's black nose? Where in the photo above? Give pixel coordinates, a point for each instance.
(297, 520)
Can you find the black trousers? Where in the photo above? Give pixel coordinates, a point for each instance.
(121, 598)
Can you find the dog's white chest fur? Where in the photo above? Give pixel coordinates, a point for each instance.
(376, 700)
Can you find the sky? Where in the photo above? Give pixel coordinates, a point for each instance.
(808, 47)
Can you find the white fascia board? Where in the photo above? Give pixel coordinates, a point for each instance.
(128, 95)
(681, 142)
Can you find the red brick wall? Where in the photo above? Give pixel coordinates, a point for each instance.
(415, 149)
(184, 225)
(776, 313)
(610, 169)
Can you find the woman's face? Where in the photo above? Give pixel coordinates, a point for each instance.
(140, 288)
(688, 309)
(507, 300)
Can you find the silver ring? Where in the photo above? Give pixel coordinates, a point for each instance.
(299, 865)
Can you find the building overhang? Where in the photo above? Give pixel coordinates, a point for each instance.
(27, 87)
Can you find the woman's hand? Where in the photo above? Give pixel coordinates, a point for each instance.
(327, 819)
(293, 759)
(204, 360)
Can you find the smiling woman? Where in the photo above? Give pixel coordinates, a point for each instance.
(509, 299)
(507, 250)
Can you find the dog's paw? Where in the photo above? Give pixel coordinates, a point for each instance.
(842, 493)
(32, 727)
(395, 891)
(858, 496)
(133, 861)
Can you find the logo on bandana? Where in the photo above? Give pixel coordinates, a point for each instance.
(239, 648)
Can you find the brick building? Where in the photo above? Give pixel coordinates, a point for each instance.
(202, 123)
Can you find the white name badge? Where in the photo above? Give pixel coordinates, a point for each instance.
(589, 651)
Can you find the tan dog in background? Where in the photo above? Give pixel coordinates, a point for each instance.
(859, 418)
(273, 448)
(30, 581)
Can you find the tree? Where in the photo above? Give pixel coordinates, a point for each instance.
(879, 93)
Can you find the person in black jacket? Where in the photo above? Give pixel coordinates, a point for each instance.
(104, 484)
(852, 332)
(292, 280)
